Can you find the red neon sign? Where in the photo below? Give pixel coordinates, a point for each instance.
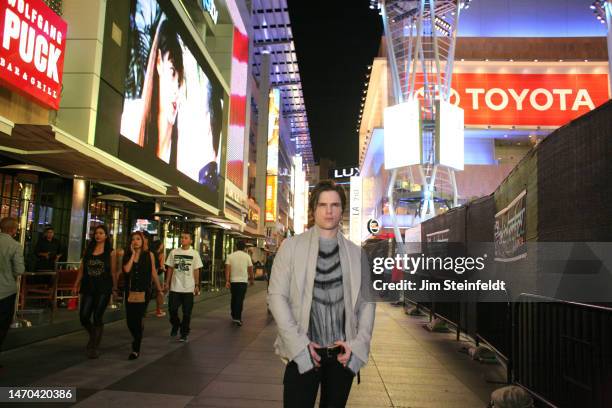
(32, 45)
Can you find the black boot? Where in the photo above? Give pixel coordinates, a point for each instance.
(90, 342)
(93, 352)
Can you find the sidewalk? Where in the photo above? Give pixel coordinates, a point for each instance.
(227, 366)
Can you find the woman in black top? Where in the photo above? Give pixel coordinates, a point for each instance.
(96, 281)
(139, 267)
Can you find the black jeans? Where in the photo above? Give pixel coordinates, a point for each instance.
(7, 309)
(238, 290)
(96, 304)
(300, 390)
(176, 300)
(134, 315)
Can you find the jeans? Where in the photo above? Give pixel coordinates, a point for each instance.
(7, 309)
(96, 304)
(134, 314)
(176, 300)
(238, 291)
(300, 390)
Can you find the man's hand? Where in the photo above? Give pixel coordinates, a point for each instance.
(166, 288)
(76, 289)
(228, 284)
(251, 281)
(343, 358)
(115, 294)
(315, 357)
(196, 290)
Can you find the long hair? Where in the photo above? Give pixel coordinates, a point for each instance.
(145, 245)
(91, 246)
(166, 41)
(216, 113)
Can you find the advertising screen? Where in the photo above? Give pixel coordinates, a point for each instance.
(32, 45)
(402, 134)
(526, 99)
(235, 142)
(151, 226)
(173, 107)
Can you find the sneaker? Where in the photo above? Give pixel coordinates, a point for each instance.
(236, 322)
(160, 313)
(174, 332)
(183, 338)
(239, 323)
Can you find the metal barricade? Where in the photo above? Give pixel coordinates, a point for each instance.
(562, 351)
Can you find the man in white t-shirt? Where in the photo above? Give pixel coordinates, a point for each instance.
(238, 272)
(183, 281)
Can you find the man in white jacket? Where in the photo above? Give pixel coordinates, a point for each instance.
(318, 299)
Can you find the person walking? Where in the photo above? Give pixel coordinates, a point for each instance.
(156, 247)
(11, 265)
(96, 282)
(183, 282)
(139, 266)
(238, 272)
(320, 306)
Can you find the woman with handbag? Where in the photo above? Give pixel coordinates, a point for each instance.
(96, 281)
(139, 267)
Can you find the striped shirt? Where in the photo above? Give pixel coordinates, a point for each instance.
(327, 310)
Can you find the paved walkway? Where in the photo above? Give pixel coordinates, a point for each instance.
(226, 366)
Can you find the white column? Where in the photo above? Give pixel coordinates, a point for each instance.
(78, 215)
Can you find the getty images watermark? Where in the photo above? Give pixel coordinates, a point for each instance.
(430, 264)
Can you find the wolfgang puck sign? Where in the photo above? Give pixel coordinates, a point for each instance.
(32, 45)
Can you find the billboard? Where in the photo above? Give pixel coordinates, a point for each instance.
(271, 198)
(272, 164)
(402, 134)
(273, 131)
(526, 99)
(511, 230)
(235, 140)
(173, 106)
(32, 45)
(449, 135)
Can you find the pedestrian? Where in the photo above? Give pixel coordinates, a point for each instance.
(238, 272)
(156, 247)
(11, 265)
(269, 263)
(324, 320)
(183, 282)
(48, 251)
(96, 282)
(139, 266)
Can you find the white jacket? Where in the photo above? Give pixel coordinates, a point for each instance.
(291, 289)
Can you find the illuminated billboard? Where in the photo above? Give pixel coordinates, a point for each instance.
(33, 41)
(449, 135)
(402, 140)
(173, 106)
(273, 131)
(236, 132)
(272, 164)
(527, 99)
(271, 195)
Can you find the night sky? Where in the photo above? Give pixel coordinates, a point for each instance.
(335, 41)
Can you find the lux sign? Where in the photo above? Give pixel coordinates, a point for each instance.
(350, 172)
(32, 49)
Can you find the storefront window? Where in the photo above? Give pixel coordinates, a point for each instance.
(111, 214)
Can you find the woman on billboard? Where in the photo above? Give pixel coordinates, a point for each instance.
(161, 93)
